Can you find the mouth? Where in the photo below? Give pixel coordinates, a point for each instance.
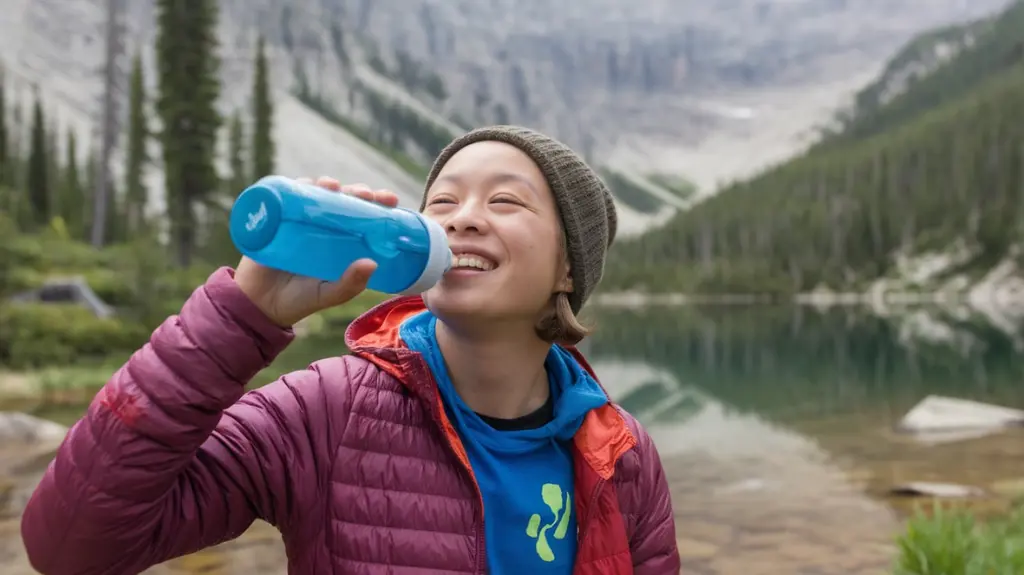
(471, 262)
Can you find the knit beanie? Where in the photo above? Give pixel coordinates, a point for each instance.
(584, 202)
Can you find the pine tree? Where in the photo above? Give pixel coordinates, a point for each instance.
(136, 157)
(72, 198)
(37, 177)
(117, 218)
(16, 151)
(10, 199)
(53, 161)
(237, 178)
(262, 146)
(88, 190)
(187, 67)
(5, 161)
(218, 248)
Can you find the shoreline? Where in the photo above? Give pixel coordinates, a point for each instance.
(815, 298)
(924, 307)
(922, 279)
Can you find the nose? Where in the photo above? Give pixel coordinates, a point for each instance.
(467, 218)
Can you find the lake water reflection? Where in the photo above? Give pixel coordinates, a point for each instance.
(774, 425)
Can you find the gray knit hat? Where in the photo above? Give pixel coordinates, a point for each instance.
(584, 201)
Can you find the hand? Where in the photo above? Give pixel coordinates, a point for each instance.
(287, 298)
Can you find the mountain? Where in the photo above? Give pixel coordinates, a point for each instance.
(920, 186)
(664, 96)
(926, 68)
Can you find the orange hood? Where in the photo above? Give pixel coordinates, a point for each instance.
(602, 438)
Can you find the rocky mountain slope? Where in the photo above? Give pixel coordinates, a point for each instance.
(918, 192)
(649, 90)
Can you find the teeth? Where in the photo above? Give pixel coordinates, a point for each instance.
(471, 261)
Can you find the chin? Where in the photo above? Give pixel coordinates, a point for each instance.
(462, 305)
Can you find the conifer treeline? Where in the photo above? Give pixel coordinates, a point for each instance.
(836, 218)
(938, 168)
(40, 187)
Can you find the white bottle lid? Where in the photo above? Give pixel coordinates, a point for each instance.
(439, 259)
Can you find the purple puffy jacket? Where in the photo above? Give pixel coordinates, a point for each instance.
(353, 460)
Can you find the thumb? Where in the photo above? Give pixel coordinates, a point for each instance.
(352, 283)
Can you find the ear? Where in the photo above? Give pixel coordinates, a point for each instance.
(565, 284)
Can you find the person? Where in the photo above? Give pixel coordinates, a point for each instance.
(463, 433)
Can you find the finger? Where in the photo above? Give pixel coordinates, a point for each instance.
(361, 191)
(356, 188)
(328, 183)
(385, 197)
(352, 283)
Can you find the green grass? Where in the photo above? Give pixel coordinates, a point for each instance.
(954, 542)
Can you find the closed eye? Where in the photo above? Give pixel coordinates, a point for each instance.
(506, 200)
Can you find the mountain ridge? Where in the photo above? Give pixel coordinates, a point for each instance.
(921, 193)
(396, 81)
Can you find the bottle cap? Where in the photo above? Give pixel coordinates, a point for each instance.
(255, 218)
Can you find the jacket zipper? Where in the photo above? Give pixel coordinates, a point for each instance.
(591, 510)
(479, 529)
(480, 546)
(480, 542)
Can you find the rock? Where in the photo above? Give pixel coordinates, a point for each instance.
(27, 445)
(34, 459)
(943, 490)
(945, 414)
(73, 290)
(951, 435)
(22, 429)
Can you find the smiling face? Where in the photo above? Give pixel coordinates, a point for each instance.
(505, 232)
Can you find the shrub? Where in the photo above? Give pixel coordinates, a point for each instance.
(138, 279)
(44, 335)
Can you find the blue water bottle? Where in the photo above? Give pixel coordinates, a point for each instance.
(306, 230)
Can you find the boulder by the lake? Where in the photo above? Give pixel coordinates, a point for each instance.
(940, 490)
(72, 290)
(20, 429)
(27, 445)
(938, 414)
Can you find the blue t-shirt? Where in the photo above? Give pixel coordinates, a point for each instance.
(525, 476)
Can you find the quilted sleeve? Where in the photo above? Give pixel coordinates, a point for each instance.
(171, 457)
(653, 545)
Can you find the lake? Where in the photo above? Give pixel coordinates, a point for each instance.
(774, 425)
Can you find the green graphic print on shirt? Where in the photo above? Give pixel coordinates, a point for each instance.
(561, 511)
(525, 476)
